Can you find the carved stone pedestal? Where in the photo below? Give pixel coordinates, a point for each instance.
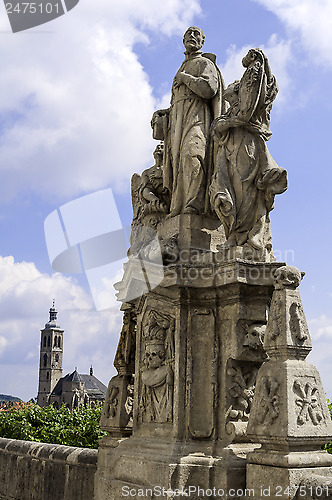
(199, 347)
(288, 483)
(289, 414)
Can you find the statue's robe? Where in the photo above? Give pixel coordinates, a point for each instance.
(194, 104)
(246, 178)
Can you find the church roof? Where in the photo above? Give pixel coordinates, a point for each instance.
(92, 385)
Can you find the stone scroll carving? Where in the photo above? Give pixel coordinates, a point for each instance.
(245, 176)
(156, 404)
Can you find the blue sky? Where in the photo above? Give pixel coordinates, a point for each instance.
(76, 99)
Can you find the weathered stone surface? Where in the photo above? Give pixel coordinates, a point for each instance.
(217, 370)
(289, 483)
(196, 101)
(205, 333)
(38, 471)
(289, 414)
(245, 177)
(117, 414)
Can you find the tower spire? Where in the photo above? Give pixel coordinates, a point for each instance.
(50, 363)
(53, 317)
(53, 312)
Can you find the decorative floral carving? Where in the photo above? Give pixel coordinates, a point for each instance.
(307, 400)
(269, 400)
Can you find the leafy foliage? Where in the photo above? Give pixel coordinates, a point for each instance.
(328, 447)
(49, 425)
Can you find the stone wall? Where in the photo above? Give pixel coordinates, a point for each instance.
(38, 471)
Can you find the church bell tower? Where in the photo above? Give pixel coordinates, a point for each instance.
(50, 363)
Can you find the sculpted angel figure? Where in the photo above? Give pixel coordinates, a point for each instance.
(195, 102)
(150, 202)
(245, 177)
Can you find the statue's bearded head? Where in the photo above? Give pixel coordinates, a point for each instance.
(193, 39)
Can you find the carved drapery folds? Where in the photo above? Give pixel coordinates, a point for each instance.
(117, 412)
(156, 401)
(245, 177)
(124, 360)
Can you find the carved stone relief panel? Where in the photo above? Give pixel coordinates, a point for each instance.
(117, 411)
(157, 368)
(297, 322)
(307, 401)
(202, 362)
(241, 380)
(268, 400)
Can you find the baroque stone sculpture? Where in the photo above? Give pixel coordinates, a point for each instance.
(246, 178)
(214, 338)
(196, 101)
(150, 202)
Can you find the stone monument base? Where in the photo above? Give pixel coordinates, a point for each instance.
(287, 483)
(142, 468)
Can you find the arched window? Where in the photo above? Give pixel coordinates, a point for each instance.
(59, 341)
(57, 358)
(49, 342)
(55, 341)
(45, 359)
(44, 341)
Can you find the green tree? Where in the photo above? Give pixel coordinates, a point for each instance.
(49, 425)
(328, 447)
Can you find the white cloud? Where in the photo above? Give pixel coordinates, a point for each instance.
(25, 298)
(321, 327)
(321, 354)
(279, 54)
(311, 20)
(76, 103)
